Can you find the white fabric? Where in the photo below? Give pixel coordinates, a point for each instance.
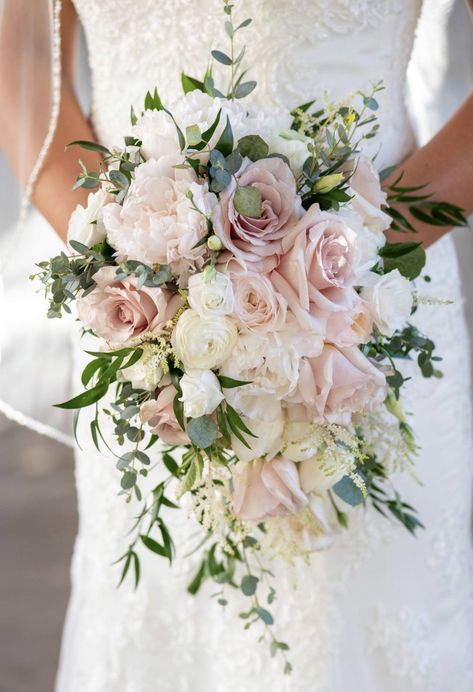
(382, 611)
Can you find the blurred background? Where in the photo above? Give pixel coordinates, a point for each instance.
(38, 518)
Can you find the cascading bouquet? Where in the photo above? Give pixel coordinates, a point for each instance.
(250, 313)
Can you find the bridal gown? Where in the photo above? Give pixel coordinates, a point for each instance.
(381, 611)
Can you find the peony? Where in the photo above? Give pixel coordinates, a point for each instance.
(201, 393)
(267, 488)
(317, 266)
(117, 311)
(158, 134)
(293, 146)
(267, 440)
(203, 344)
(257, 242)
(86, 224)
(157, 222)
(342, 382)
(257, 306)
(159, 415)
(369, 197)
(314, 479)
(390, 301)
(210, 297)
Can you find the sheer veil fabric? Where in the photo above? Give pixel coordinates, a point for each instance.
(35, 356)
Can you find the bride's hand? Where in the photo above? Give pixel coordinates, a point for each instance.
(446, 165)
(53, 194)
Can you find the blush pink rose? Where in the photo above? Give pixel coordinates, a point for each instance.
(117, 311)
(266, 489)
(256, 305)
(256, 242)
(341, 382)
(352, 326)
(316, 268)
(159, 415)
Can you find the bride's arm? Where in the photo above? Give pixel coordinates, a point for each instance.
(53, 195)
(446, 164)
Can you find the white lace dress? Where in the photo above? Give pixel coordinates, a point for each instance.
(382, 611)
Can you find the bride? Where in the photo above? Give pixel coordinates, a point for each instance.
(381, 611)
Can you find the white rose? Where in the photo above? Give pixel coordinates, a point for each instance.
(297, 441)
(145, 374)
(367, 244)
(293, 146)
(201, 393)
(211, 297)
(203, 344)
(86, 224)
(390, 301)
(313, 479)
(157, 133)
(368, 195)
(267, 442)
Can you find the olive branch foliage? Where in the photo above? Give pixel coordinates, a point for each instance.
(335, 135)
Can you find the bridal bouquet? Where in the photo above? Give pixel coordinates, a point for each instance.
(250, 316)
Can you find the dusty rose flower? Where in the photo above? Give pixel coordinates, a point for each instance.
(342, 382)
(257, 306)
(159, 415)
(267, 488)
(351, 327)
(117, 311)
(256, 242)
(316, 268)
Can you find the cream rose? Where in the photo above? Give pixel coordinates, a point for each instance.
(203, 344)
(86, 224)
(211, 297)
(390, 301)
(201, 393)
(267, 489)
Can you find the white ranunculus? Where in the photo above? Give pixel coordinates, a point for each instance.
(390, 301)
(201, 393)
(267, 442)
(211, 297)
(313, 479)
(298, 441)
(203, 344)
(86, 225)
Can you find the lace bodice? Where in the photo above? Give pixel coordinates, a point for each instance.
(295, 51)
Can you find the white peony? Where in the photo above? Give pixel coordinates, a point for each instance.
(157, 133)
(203, 344)
(211, 297)
(266, 443)
(390, 301)
(157, 222)
(293, 146)
(86, 224)
(201, 393)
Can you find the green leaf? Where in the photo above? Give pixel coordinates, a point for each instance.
(230, 383)
(189, 479)
(237, 421)
(153, 545)
(249, 584)
(225, 143)
(128, 480)
(254, 147)
(265, 616)
(90, 369)
(221, 57)
(409, 258)
(206, 136)
(248, 201)
(196, 582)
(153, 102)
(191, 84)
(193, 135)
(348, 491)
(90, 396)
(78, 247)
(244, 89)
(178, 409)
(171, 465)
(202, 431)
(133, 118)
(91, 146)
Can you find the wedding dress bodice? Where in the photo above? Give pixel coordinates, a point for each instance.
(376, 612)
(295, 51)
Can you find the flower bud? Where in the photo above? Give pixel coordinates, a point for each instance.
(209, 273)
(394, 406)
(328, 182)
(214, 243)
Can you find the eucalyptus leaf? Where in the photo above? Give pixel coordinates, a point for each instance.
(254, 147)
(348, 491)
(202, 431)
(248, 201)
